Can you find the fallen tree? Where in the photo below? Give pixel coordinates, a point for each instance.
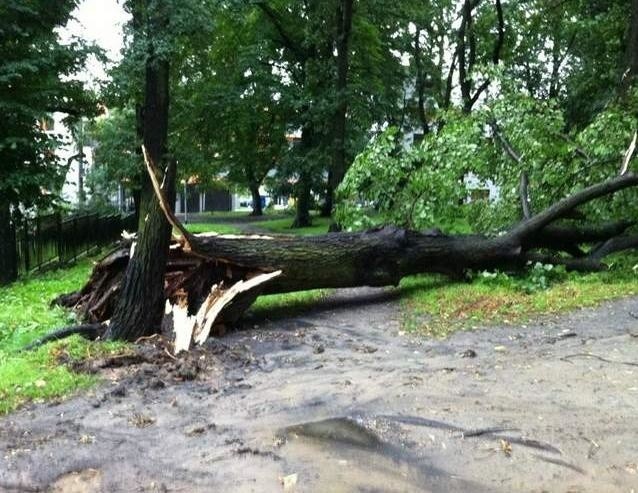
(212, 279)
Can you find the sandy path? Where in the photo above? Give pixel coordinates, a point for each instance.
(341, 400)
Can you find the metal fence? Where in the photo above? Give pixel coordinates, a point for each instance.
(53, 240)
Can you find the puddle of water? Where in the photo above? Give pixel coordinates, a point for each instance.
(343, 455)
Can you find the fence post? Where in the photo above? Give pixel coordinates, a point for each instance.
(58, 234)
(37, 243)
(25, 239)
(75, 237)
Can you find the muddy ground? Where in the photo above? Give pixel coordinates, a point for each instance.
(341, 400)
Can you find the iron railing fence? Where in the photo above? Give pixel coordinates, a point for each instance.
(53, 240)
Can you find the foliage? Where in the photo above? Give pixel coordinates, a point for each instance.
(116, 156)
(37, 78)
(232, 100)
(420, 186)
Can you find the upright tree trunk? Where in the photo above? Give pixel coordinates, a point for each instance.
(304, 199)
(304, 185)
(328, 202)
(631, 70)
(81, 191)
(140, 307)
(338, 167)
(420, 83)
(254, 192)
(8, 254)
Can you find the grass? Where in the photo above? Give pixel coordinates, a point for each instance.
(437, 307)
(280, 225)
(320, 225)
(25, 316)
(224, 229)
(228, 214)
(288, 304)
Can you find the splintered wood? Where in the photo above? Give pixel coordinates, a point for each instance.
(196, 328)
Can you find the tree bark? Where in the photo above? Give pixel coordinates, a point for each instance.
(304, 199)
(631, 57)
(420, 83)
(254, 192)
(139, 309)
(338, 165)
(8, 254)
(304, 184)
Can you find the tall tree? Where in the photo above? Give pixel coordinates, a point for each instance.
(139, 308)
(343, 78)
(163, 32)
(37, 78)
(338, 166)
(234, 79)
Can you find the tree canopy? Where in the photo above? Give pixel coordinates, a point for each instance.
(37, 79)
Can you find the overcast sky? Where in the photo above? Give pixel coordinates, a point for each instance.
(100, 21)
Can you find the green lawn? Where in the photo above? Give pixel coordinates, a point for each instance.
(25, 316)
(435, 306)
(288, 304)
(220, 228)
(282, 226)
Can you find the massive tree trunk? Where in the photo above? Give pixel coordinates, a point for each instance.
(139, 308)
(219, 276)
(8, 255)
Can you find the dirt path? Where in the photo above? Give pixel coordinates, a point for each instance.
(341, 400)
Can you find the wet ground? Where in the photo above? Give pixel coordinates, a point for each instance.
(341, 400)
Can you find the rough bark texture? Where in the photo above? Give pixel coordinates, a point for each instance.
(302, 211)
(338, 165)
(139, 307)
(256, 206)
(304, 185)
(629, 77)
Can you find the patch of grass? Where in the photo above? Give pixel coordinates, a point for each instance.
(39, 375)
(319, 226)
(226, 214)
(288, 304)
(223, 229)
(26, 315)
(434, 306)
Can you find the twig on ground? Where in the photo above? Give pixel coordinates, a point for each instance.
(599, 358)
(560, 462)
